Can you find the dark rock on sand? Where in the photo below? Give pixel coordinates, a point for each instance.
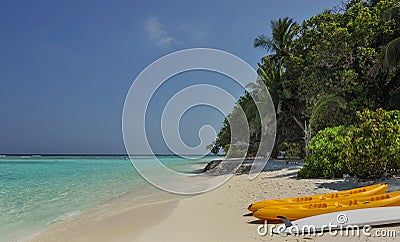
(227, 166)
(211, 165)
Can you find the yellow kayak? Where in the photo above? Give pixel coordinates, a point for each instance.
(298, 211)
(353, 193)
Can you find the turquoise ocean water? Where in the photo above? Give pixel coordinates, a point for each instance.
(36, 191)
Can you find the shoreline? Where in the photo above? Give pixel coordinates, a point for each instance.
(117, 214)
(211, 216)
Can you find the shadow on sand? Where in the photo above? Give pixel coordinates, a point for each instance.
(259, 221)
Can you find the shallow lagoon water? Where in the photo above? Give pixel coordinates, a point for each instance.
(37, 191)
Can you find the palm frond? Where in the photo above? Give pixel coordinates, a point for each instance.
(391, 12)
(324, 103)
(391, 53)
(282, 30)
(269, 73)
(265, 42)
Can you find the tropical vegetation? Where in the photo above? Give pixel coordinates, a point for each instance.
(322, 74)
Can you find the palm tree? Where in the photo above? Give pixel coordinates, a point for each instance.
(391, 51)
(270, 74)
(270, 70)
(283, 31)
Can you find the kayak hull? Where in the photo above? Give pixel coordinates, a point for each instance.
(343, 219)
(336, 196)
(294, 212)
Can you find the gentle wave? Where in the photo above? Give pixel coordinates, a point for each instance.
(64, 217)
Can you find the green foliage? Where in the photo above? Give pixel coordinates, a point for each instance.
(372, 147)
(294, 150)
(236, 153)
(283, 31)
(351, 52)
(369, 149)
(325, 150)
(391, 52)
(335, 54)
(323, 109)
(224, 140)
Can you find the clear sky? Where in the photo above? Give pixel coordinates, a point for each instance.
(66, 66)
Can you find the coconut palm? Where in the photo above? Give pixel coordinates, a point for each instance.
(391, 51)
(283, 31)
(270, 75)
(270, 70)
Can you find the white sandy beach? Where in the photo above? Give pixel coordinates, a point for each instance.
(212, 216)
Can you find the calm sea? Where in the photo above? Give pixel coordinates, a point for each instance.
(37, 191)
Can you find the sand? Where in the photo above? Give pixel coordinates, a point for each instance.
(212, 216)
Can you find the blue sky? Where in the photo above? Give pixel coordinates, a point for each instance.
(66, 66)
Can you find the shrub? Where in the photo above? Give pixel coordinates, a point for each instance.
(372, 147)
(325, 151)
(294, 150)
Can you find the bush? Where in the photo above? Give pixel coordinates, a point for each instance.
(294, 150)
(369, 150)
(372, 147)
(325, 152)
